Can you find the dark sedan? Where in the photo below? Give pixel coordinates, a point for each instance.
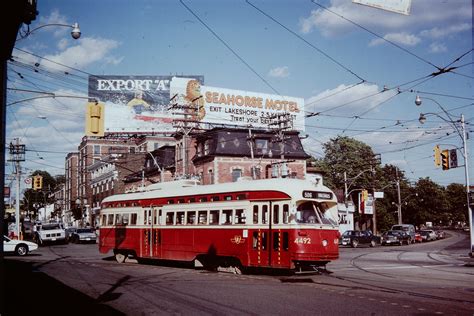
(356, 237)
(395, 237)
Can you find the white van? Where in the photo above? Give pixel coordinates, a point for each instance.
(407, 228)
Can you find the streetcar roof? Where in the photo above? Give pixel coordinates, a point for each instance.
(292, 187)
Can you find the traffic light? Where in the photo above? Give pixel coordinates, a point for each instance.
(437, 156)
(37, 182)
(453, 158)
(94, 119)
(445, 159)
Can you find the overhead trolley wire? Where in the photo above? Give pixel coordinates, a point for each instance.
(377, 35)
(308, 43)
(229, 48)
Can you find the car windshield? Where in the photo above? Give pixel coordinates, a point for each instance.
(391, 233)
(85, 230)
(399, 227)
(348, 233)
(51, 227)
(314, 213)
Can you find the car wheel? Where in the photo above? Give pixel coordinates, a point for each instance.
(372, 243)
(354, 243)
(21, 250)
(120, 257)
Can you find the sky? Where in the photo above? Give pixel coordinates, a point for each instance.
(358, 68)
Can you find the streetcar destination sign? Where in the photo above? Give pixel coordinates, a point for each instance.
(317, 195)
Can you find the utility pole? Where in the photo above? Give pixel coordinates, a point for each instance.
(399, 205)
(17, 154)
(185, 125)
(283, 121)
(250, 141)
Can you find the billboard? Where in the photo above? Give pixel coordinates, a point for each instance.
(211, 105)
(135, 103)
(397, 6)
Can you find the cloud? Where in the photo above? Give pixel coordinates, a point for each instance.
(55, 18)
(279, 72)
(88, 51)
(438, 48)
(437, 32)
(343, 99)
(455, 16)
(399, 38)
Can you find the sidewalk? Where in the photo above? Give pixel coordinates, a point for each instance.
(29, 292)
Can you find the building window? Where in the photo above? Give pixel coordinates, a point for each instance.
(211, 176)
(96, 149)
(236, 174)
(261, 146)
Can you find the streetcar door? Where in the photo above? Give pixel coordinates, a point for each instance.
(260, 252)
(279, 243)
(156, 232)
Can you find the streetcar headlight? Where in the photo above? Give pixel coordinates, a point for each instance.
(336, 241)
(325, 243)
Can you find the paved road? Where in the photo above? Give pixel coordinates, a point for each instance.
(422, 279)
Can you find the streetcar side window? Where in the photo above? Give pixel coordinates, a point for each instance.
(227, 217)
(133, 219)
(276, 214)
(276, 241)
(264, 241)
(145, 216)
(104, 220)
(191, 217)
(202, 217)
(179, 218)
(264, 214)
(118, 219)
(110, 219)
(255, 240)
(214, 217)
(240, 216)
(255, 214)
(169, 218)
(286, 213)
(125, 219)
(285, 240)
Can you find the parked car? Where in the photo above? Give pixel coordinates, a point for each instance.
(84, 235)
(355, 237)
(407, 228)
(428, 234)
(440, 234)
(18, 247)
(69, 232)
(418, 237)
(395, 237)
(50, 233)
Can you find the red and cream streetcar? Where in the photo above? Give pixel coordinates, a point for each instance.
(271, 223)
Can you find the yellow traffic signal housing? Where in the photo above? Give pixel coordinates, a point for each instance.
(445, 159)
(437, 156)
(94, 119)
(37, 182)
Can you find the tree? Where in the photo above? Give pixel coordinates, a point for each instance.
(456, 209)
(430, 204)
(32, 198)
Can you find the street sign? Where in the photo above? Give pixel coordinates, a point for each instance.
(28, 183)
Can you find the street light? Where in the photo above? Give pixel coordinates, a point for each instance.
(75, 33)
(463, 136)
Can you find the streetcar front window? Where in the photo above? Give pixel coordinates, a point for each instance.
(313, 213)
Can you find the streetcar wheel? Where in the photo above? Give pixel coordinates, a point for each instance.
(120, 257)
(354, 243)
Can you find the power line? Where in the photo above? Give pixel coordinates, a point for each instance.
(310, 44)
(377, 35)
(229, 48)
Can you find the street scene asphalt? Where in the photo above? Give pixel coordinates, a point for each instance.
(31, 292)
